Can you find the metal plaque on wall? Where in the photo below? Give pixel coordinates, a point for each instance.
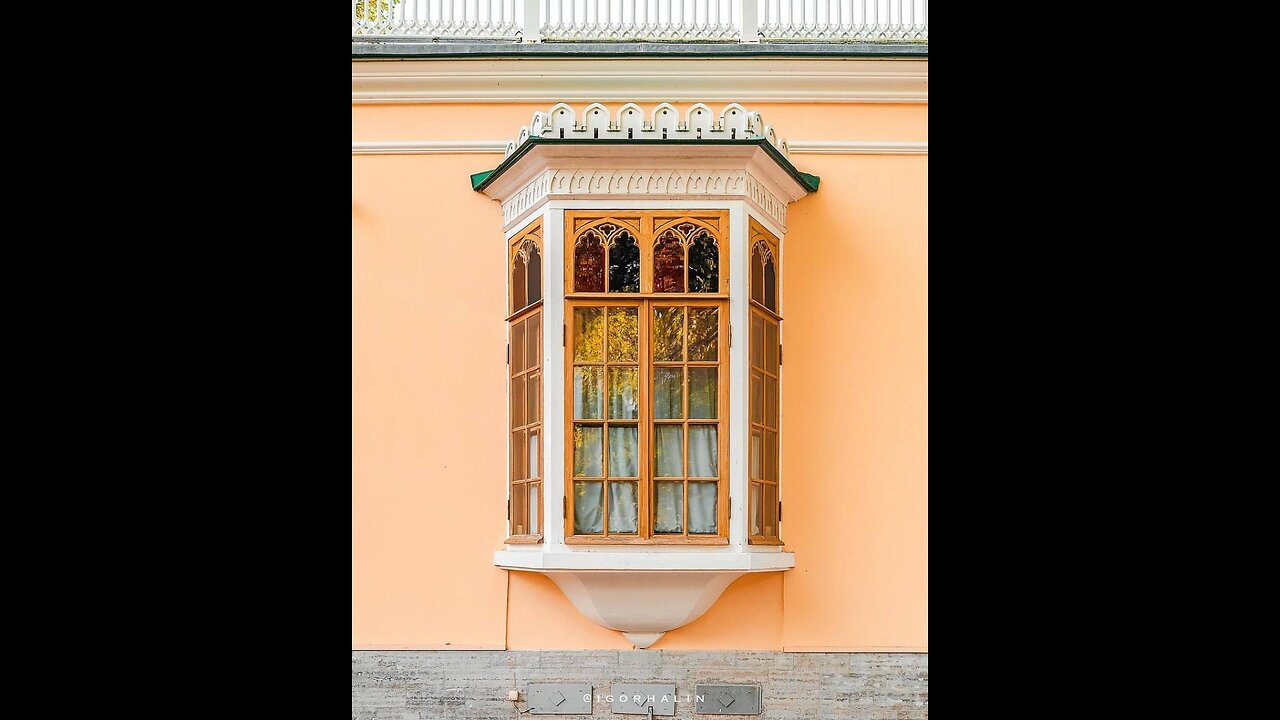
(558, 698)
(722, 699)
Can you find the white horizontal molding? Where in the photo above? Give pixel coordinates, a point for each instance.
(427, 147)
(648, 560)
(505, 80)
(811, 147)
(860, 147)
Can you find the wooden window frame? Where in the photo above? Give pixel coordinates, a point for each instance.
(646, 225)
(532, 233)
(758, 235)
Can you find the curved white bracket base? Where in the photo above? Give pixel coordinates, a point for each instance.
(643, 595)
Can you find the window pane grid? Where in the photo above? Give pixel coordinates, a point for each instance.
(692, 390)
(763, 467)
(525, 368)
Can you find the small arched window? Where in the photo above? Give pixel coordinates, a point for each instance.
(526, 275)
(588, 263)
(686, 258)
(668, 264)
(764, 276)
(606, 258)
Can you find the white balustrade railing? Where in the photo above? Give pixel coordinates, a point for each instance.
(646, 20)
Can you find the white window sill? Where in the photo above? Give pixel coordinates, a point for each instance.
(536, 558)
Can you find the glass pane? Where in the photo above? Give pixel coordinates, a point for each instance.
(624, 265)
(757, 456)
(534, 508)
(624, 451)
(588, 450)
(624, 393)
(534, 399)
(588, 334)
(757, 341)
(535, 462)
(771, 348)
(668, 264)
(702, 508)
(770, 287)
(535, 274)
(668, 511)
(588, 511)
(757, 275)
(757, 510)
(588, 393)
(704, 332)
(702, 452)
(624, 334)
(533, 338)
(519, 463)
(668, 393)
(517, 348)
(771, 402)
(588, 264)
(623, 507)
(704, 269)
(757, 398)
(519, 510)
(770, 511)
(518, 296)
(668, 334)
(668, 451)
(771, 456)
(518, 403)
(702, 392)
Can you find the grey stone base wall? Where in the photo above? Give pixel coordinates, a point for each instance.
(473, 685)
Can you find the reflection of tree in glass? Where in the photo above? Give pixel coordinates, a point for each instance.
(668, 264)
(703, 327)
(624, 332)
(588, 334)
(624, 264)
(668, 332)
(588, 263)
(704, 264)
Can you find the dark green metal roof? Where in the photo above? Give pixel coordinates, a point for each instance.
(481, 180)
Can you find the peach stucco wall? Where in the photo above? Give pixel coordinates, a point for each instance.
(428, 372)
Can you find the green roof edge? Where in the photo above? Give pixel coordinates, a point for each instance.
(481, 180)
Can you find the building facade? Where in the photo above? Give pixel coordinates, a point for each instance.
(640, 358)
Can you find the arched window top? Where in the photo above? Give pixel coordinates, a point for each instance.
(606, 258)
(526, 270)
(686, 258)
(765, 267)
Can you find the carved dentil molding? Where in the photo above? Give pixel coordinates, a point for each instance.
(646, 182)
(733, 122)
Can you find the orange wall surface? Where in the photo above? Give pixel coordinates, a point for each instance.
(428, 497)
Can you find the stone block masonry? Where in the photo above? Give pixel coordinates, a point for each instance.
(473, 685)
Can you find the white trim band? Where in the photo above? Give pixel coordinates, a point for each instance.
(813, 147)
(519, 80)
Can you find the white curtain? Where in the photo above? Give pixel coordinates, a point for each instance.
(623, 511)
(534, 509)
(588, 512)
(702, 451)
(670, 515)
(623, 389)
(624, 451)
(588, 449)
(702, 508)
(668, 453)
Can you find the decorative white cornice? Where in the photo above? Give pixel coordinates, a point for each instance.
(765, 79)
(733, 122)
(678, 183)
(498, 147)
